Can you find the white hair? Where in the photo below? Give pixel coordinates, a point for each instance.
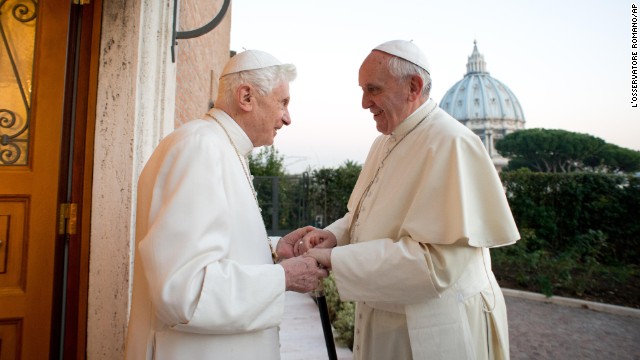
(264, 80)
(401, 69)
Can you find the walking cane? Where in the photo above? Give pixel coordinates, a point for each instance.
(326, 322)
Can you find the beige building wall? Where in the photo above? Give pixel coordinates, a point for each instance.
(141, 95)
(200, 60)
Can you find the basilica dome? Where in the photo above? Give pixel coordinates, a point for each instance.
(485, 105)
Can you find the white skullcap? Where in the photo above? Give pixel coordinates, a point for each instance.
(406, 50)
(249, 60)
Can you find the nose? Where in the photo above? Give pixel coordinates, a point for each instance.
(286, 118)
(366, 101)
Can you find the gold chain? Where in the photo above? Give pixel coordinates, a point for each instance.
(274, 255)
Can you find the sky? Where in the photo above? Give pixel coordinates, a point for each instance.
(568, 62)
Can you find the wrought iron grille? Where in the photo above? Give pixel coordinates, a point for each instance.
(17, 29)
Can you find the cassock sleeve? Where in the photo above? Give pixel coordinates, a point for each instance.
(340, 228)
(193, 284)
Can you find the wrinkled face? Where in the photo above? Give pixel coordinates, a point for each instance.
(384, 95)
(271, 113)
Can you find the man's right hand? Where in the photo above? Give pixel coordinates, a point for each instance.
(316, 238)
(285, 247)
(302, 274)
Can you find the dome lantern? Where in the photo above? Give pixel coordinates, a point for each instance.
(475, 62)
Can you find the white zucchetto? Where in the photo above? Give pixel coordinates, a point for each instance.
(405, 50)
(249, 60)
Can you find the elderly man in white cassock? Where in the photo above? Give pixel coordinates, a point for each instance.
(412, 251)
(206, 282)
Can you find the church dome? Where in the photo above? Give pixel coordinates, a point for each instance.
(484, 104)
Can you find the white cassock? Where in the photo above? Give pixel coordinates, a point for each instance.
(416, 261)
(205, 286)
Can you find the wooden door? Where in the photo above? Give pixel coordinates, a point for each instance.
(34, 176)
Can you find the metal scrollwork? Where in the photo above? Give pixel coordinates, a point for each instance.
(7, 121)
(10, 151)
(21, 11)
(14, 123)
(190, 34)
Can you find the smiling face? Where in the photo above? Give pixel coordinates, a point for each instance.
(384, 95)
(271, 112)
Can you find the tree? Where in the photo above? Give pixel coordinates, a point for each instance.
(555, 151)
(619, 159)
(267, 167)
(267, 162)
(330, 190)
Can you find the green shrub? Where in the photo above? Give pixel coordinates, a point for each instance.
(574, 272)
(589, 214)
(341, 313)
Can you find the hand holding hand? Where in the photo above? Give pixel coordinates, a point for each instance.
(302, 274)
(285, 247)
(319, 238)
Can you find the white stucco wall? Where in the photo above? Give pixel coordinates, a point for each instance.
(135, 107)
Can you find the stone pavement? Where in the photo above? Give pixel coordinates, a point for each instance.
(540, 330)
(301, 336)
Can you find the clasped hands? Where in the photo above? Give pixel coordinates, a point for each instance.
(307, 257)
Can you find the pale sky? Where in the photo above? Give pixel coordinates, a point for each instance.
(568, 63)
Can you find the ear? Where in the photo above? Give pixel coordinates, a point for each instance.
(244, 97)
(415, 88)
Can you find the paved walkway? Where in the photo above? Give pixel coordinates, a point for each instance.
(538, 330)
(301, 336)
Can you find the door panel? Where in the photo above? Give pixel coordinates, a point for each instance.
(29, 192)
(10, 330)
(12, 245)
